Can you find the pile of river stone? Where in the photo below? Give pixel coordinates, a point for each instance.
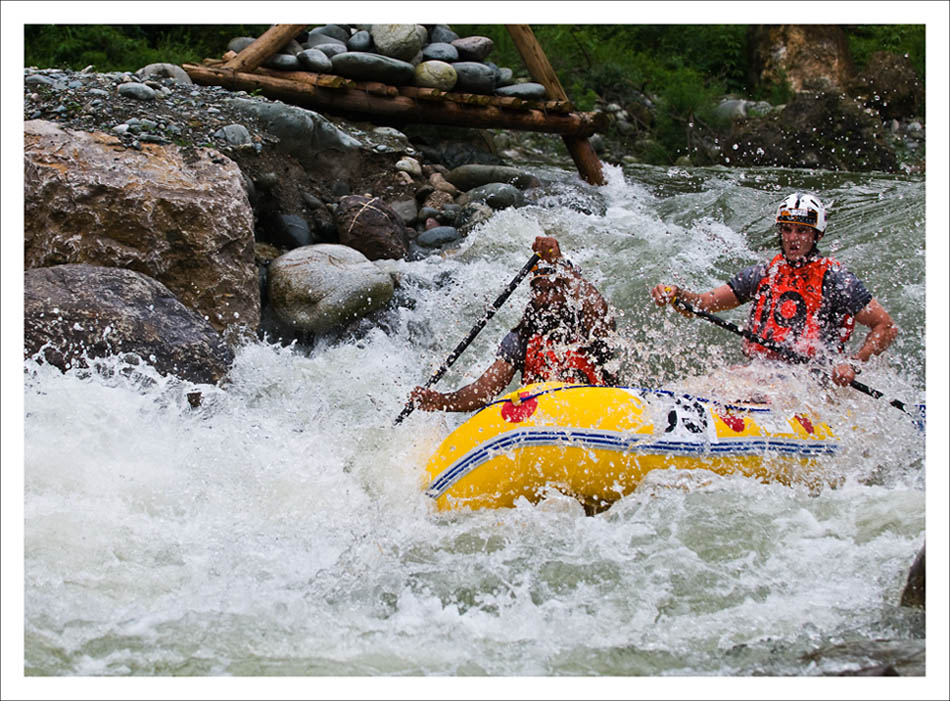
(431, 56)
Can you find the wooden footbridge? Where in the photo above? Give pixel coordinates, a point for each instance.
(333, 93)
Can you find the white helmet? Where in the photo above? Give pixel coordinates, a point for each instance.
(803, 209)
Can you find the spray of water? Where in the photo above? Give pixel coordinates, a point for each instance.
(281, 527)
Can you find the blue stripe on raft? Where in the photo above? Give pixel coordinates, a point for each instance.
(612, 440)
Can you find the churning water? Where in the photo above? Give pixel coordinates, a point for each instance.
(281, 527)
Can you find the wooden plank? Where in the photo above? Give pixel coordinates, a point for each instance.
(265, 46)
(583, 154)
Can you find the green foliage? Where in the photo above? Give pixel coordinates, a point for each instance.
(126, 47)
(906, 39)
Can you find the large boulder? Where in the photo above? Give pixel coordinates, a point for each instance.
(808, 56)
(370, 226)
(75, 313)
(183, 219)
(315, 289)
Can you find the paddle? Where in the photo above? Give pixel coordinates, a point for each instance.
(785, 352)
(489, 313)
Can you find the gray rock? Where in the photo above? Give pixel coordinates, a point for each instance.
(321, 287)
(438, 236)
(314, 60)
(441, 33)
(472, 175)
(440, 51)
(409, 165)
(474, 48)
(37, 79)
(435, 74)
(137, 91)
(474, 77)
(157, 71)
(238, 44)
(399, 41)
(497, 195)
(317, 36)
(234, 134)
(292, 47)
(526, 91)
(331, 50)
(336, 31)
(293, 231)
(360, 41)
(283, 62)
(366, 66)
(504, 76)
(74, 314)
(450, 213)
(300, 131)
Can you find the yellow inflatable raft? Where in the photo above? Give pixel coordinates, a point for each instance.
(597, 443)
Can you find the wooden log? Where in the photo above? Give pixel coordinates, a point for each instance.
(400, 106)
(265, 46)
(583, 154)
(323, 80)
(508, 102)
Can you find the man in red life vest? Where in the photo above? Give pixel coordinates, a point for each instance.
(562, 336)
(800, 299)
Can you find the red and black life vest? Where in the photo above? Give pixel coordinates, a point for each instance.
(548, 361)
(789, 307)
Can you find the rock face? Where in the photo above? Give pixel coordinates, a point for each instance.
(808, 56)
(75, 313)
(184, 221)
(318, 288)
(370, 226)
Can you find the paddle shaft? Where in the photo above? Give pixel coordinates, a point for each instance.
(785, 352)
(480, 324)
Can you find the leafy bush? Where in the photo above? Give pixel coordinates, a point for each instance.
(907, 39)
(126, 47)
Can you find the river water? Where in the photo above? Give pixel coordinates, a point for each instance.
(281, 528)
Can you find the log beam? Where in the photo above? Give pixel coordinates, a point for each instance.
(583, 154)
(310, 92)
